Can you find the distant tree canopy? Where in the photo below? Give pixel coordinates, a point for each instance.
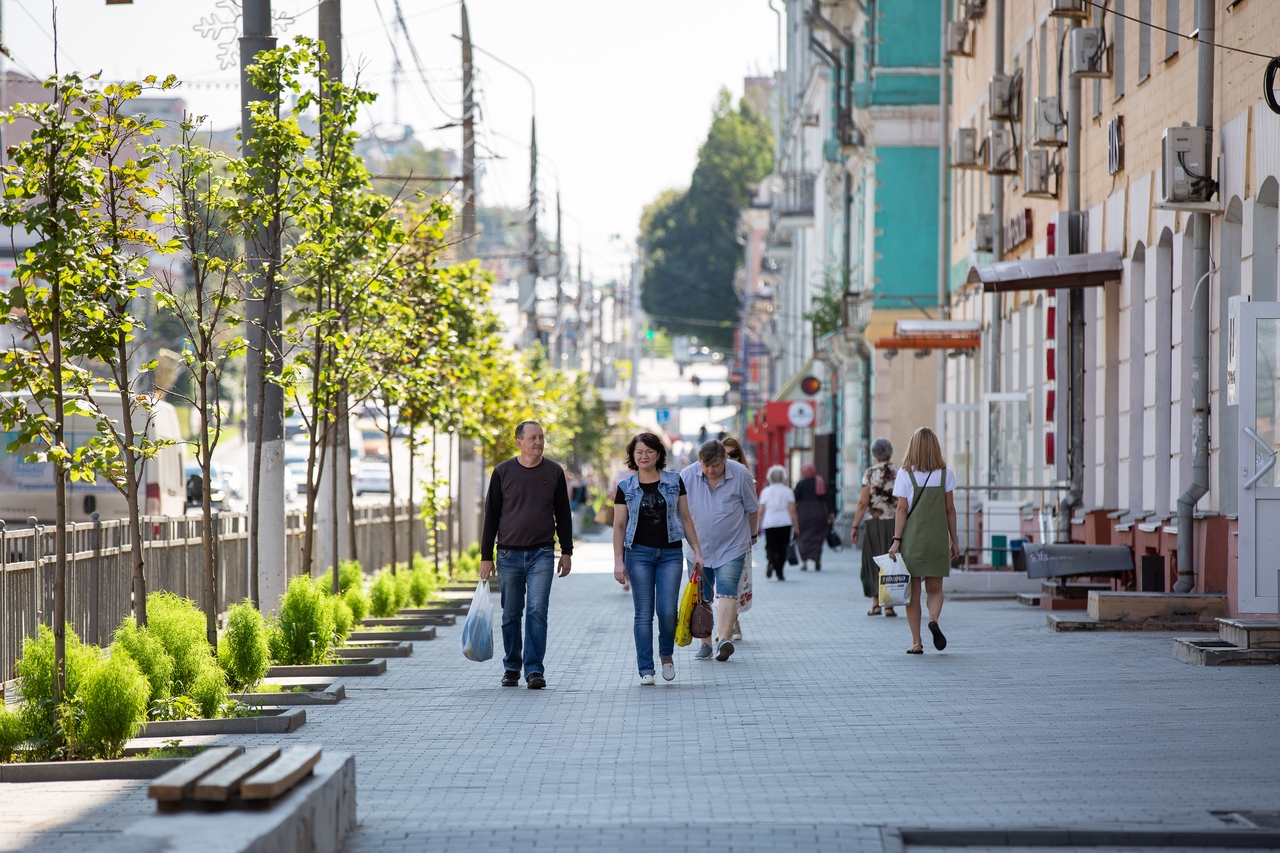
(690, 236)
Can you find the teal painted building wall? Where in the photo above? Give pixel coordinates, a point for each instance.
(906, 242)
(905, 34)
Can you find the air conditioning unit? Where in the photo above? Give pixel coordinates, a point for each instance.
(1088, 53)
(974, 9)
(1186, 174)
(1048, 127)
(1002, 159)
(1001, 103)
(957, 37)
(984, 236)
(964, 149)
(1069, 9)
(1038, 169)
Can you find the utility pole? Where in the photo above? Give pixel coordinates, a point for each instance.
(558, 343)
(532, 307)
(265, 399)
(466, 250)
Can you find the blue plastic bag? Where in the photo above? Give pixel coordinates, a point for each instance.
(477, 630)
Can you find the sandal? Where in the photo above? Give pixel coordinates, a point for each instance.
(874, 611)
(889, 611)
(917, 649)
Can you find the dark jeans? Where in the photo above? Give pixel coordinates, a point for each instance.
(525, 575)
(776, 540)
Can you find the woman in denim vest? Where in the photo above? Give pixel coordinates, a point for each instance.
(651, 516)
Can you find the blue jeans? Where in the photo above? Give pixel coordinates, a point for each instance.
(525, 575)
(722, 580)
(655, 575)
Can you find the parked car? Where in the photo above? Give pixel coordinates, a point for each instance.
(372, 477)
(195, 485)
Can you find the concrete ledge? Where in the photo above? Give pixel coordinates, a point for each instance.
(1221, 653)
(410, 621)
(316, 816)
(1075, 837)
(422, 635)
(365, 648)
(371, 666)
(1004, 584)
(1157, 607)
(1082, 622)
(269, 722)
(330, 695)
(87, 771)
(445, 609)
(1250, 633)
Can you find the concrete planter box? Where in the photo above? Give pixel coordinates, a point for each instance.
(327, 694)
(410, 621)
(422, 634)
(268, 722)
(444, 609)
(85, 771)
(361, 666)
(365, 648)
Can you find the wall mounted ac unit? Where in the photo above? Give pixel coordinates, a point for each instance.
(984, 236)
(1000, 100)
(964, 149)
(975, 9)
(957, 39)
(1088, 53)
(1186, 173)
(1002, 158)
(1047, 126)
(1037, 174)
(1068, 9)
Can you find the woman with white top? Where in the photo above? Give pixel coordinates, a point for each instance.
(925, 530)
(778, 520)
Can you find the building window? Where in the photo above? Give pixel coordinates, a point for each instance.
(1144, 39)
(1117, 49)
(1171, 38)
(1044, 59)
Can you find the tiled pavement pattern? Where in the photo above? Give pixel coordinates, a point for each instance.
(819, 734)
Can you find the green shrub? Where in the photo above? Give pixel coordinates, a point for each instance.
(209, 692)
(13, 733)
(404, 583)
(350, 575)
(180, 627)
(342, 621)
(358, 600)
(51, 729)
(113, 697)
(423, 582)
(242, 651)
(304, 632)
(383, 595)
(149, 654)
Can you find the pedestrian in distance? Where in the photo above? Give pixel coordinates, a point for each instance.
(525, 512)
(925, 530)
(723, 504)
(778, 520)
(733, 449)
(873, 521)
(650, 520)
(816, 509)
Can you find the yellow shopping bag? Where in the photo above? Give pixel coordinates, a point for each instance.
(688, 598)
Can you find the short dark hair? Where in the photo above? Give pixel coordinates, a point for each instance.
(650, 441)
(711, 452)
(520, 428)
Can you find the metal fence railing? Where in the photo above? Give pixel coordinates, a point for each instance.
(99, 567)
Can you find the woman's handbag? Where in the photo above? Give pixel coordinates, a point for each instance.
(604, 515)
(701, 621)
(834, 542)
(688, 598)
(793, 556)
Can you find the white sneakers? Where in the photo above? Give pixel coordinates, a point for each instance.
(646, 680)
(668, 672)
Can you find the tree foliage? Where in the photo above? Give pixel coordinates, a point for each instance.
(690, 237)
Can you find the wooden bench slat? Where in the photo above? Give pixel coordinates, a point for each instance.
(220, 785)
(279, 776)
(179, 782)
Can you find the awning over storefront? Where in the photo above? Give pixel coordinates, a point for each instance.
(1089, 270)
(932, 334)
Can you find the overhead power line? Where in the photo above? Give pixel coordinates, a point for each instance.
(1104, 7)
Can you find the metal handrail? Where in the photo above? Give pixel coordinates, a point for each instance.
(1266, 466)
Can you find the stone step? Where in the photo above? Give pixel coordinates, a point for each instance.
(1221, 653)
(1084, 622)
(1057, 602)
(1250, 633)
(1073, 589)
(1030, 599)
(1156, 607)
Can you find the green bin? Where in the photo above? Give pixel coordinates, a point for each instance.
(999, 556)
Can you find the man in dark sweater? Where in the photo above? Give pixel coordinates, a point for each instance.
(526, 510)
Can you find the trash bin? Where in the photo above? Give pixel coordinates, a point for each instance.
(999, 557)
(1016, 557)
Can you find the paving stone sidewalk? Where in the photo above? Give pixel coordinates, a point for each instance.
(820, 733)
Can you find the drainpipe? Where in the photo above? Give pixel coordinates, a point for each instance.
(997, 240)
(1199, 484)
(944, 192)
(1075, 314)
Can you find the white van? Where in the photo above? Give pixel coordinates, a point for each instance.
(26, 488)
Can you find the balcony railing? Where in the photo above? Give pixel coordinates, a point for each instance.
(795, 197)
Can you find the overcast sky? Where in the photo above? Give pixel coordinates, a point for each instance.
(624, 91)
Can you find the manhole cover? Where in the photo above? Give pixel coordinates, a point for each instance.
(1250, 820)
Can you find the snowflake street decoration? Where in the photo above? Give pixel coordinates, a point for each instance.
(223, 26)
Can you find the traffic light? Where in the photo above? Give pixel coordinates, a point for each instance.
(649, 334)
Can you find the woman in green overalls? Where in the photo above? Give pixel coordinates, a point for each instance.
(925, 530)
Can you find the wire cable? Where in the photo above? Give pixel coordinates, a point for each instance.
(1103, 7)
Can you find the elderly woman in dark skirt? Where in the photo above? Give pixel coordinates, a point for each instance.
(815, 510)
(873, 520)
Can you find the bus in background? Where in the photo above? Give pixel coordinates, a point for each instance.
(26, 488)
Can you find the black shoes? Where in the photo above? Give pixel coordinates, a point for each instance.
(939, 641)
(535, 681)
(511, 678)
